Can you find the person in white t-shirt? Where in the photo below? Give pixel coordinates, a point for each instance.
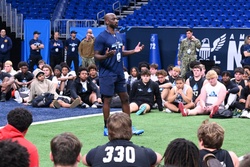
(211, 98)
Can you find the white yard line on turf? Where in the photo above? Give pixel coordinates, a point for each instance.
(69, 118)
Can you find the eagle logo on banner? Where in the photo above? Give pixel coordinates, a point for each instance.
(205, 50)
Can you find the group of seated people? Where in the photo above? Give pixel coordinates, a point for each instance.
(194, 93)
(118, 151)
(69, 89)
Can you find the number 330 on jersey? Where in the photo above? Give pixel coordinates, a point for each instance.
(119, 154)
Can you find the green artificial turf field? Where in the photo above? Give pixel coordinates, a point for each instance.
(160, 128)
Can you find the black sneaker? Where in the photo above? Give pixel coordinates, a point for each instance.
(96, 105)
(84, 105)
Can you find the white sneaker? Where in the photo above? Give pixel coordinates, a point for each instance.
(248, 115)
(168, 111)
(244, 114)
(227, 106)
(18, 98)
(93, 106)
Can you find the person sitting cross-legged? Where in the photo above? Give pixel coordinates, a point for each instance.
(180, 97)
(211, 98)
(84, 89)
(143, 94)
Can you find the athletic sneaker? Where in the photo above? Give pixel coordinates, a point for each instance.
(18, 98)
(244, 113)
(136, 132)
(84, 105)
(105, 132)
(183, 110)
(96, 105)
(214, 111)
(75, 103)
(248, 115)
(168, 111)
(141, 110)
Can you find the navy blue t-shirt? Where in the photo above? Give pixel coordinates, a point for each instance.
(111, 66)
(72, 46)
(122, 153)
(5, 45)
(36, 43)
(56, 50)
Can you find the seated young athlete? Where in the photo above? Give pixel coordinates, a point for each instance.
(180, 97)
(143, 94)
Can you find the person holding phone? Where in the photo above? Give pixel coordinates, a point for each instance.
(187, 51)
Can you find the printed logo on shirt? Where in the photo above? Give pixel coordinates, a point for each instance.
(213, 94)
(149, 90)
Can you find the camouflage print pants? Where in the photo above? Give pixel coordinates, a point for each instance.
(185, 61)
(87, 61)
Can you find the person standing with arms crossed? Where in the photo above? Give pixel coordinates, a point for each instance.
(5, 46)
(35, 50)
(109, 50)
(187, 51)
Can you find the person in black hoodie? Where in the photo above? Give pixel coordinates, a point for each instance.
(143, 94)
(84, 89)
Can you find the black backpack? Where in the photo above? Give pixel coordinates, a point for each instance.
(223, 113)
(43, 100)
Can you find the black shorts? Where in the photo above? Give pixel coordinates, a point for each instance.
(85, 99)
(139, 103)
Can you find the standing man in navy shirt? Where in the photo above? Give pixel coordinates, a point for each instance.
(35, 50)
(72, 45)
(5, 47)
(109, 50)
(56, 48)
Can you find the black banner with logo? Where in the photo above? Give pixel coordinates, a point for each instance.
(220, 45)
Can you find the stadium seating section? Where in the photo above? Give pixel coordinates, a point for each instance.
(180, 13)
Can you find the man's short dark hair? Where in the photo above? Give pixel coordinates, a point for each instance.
(145, 72)
(82, 69)
(20, 118)
(226, 73)
(65, 149)
(239, 70)
(189, 29)
(12, 154)
(92, 66)
(64, 65)
(22, 63)
(143, 64)
(193, 63)
(247, 67)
